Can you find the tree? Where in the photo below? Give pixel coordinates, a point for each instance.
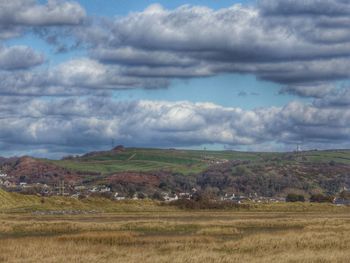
(141, 196)
(157, 196)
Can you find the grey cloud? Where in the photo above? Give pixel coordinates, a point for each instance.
(17, 16)
(131, 56)
(242, 94)
(72, 78)
(337, 98)
(30, 13)
(305, 7)
(19, 57)
(317, 91)
(152, 47)
(294, 50)
(87, 123)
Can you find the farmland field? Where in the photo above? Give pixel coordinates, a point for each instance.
(177, 236)
(62, 229)
(187, 161)
(94, 229)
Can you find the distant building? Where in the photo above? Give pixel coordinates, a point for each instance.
(8, 184)
(169, 198)
(105, 189)
(94, 189)
(79, 187)
(75, 196)
(118, 197)
(184, 196)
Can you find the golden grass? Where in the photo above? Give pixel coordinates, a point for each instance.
(176, 236)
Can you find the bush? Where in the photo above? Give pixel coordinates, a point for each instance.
(107, 195)
(192, 204)
(157, 196)
(141, 196)
(320, 198)
(345, 195)
(295, 198)
(205, 200)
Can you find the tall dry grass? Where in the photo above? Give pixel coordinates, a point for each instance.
(177, 237)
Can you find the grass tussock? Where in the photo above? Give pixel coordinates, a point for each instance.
(101, 238)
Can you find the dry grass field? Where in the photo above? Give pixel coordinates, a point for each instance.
(177, 236)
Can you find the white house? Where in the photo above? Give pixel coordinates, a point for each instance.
(117, 197)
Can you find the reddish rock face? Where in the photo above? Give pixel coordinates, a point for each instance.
(119, 148)
(34, 170)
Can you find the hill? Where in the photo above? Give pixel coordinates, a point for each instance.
(134, 170)
(188, 161)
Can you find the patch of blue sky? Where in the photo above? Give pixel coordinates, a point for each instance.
(41, 46)
(264, 147)
(122, 7)
(230, 90)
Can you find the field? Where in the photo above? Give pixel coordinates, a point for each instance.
(37, 230)
(177, 236)
(186, 161)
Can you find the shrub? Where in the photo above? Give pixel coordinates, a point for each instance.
(320, 198)
(207, 204)
(345, 195)
(205, 200)
(141, 196)
(157, 196)
(295, 198)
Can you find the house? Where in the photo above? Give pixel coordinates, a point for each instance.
(105, 189)
(94, 189)
(23, 184)
(8, 184)
(118, 197)
(229, 197)
(79, 188)
(170, 198)
(75, 196)
(184, 196)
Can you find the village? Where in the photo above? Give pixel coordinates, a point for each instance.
(62, 188)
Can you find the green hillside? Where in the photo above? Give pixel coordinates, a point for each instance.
(188, 161)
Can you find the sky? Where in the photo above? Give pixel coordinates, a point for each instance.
(263, 75)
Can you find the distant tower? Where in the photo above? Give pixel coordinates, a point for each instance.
(298, 148)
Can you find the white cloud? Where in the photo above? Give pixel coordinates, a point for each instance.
(30, 13)
(80, 124)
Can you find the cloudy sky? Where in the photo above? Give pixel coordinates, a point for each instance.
(261, 75)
